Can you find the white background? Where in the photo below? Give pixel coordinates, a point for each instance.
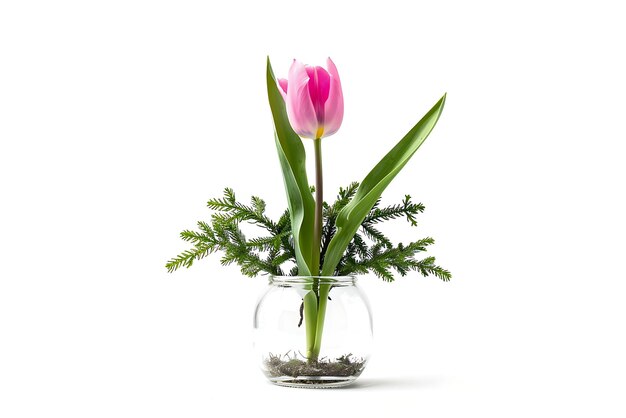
(119, 119)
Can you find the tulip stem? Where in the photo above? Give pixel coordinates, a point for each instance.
(312, 299)
(319, 201)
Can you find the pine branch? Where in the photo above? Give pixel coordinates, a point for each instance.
(270, 242)
(187, 257)
(406, 209)
(427, 267)
(375, 235)
(233, 211)
(399, 258)
(370, 250)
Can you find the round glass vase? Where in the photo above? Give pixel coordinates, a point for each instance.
(312, 332)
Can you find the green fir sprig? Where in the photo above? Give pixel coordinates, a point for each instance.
(370, 250)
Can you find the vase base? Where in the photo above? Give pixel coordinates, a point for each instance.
(313, 382)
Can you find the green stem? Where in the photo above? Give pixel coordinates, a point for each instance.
(312, 300)
(321, 314)
(310, 323)
(319, 202)
(313, 348)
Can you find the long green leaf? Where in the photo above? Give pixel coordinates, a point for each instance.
(292, 158)
(370, 189)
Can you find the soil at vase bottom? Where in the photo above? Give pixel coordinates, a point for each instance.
(283, 366)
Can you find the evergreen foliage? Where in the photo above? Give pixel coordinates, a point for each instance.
(273, 252)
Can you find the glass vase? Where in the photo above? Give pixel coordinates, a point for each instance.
(313, 332)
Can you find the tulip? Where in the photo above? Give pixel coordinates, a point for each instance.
(314, 103)
(314, 99)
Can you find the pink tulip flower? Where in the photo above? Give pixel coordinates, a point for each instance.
(314, 99)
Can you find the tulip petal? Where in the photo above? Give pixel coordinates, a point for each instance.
(333, 108)
(283, 87)
(299, 106)
(319, 87)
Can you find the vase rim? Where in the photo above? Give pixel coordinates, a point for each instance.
(338, 280)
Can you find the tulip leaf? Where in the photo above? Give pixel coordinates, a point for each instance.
(370, 189)
(292, 158)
